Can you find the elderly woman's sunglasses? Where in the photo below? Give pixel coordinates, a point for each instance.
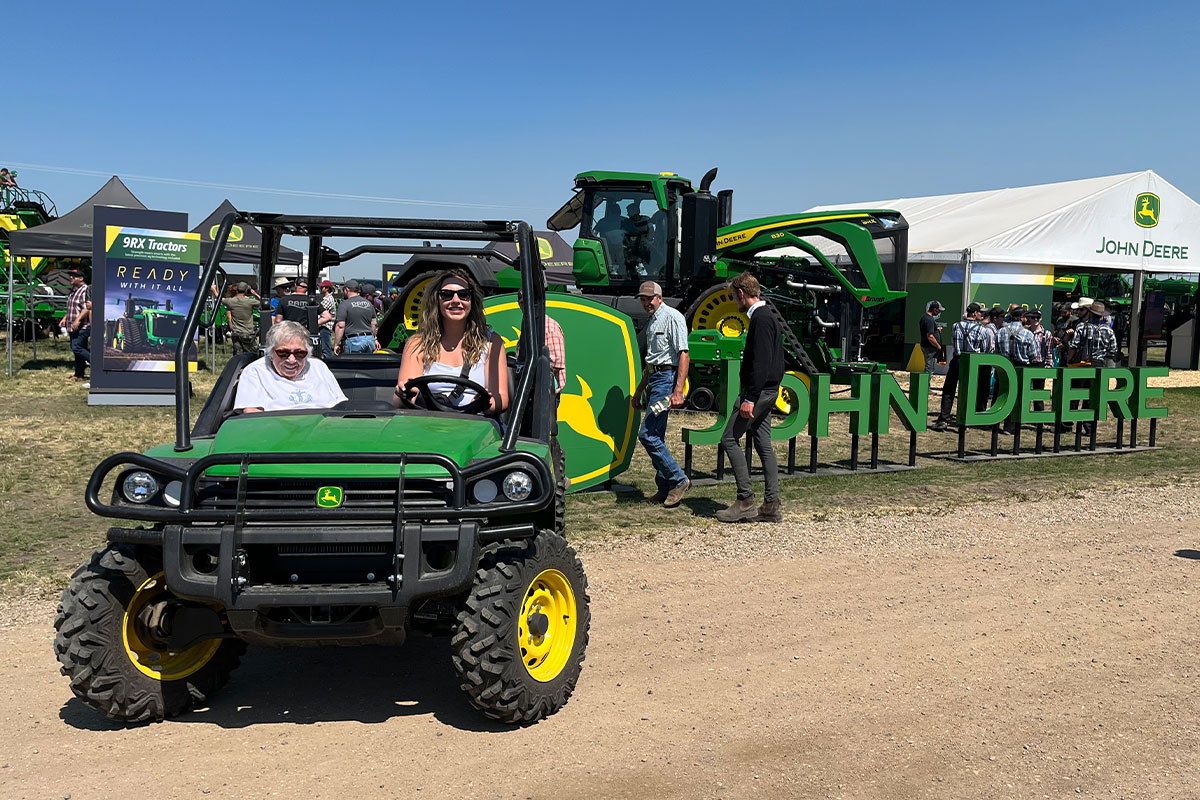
(283, 353)
(446, 295)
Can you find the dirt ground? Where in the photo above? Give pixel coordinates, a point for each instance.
(1038, 649)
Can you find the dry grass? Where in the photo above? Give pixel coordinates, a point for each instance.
(50, 440)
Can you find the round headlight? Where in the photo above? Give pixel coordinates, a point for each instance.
(484, 491)
(171, 493)
(139, 487)
(518, 485)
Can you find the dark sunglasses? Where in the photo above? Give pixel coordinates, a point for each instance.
(446, 295)
(283, 354)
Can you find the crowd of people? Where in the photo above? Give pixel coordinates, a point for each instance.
(1081, 336)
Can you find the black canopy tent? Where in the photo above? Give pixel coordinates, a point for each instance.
(70, 236)
(245, 241)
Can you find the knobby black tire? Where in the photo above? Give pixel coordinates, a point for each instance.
(486, 653)
(560, 486)
(90, 646)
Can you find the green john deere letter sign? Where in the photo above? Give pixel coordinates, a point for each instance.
(597, 427)
(1145, 210)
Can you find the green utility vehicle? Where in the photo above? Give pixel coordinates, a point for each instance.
(825, 273)
(351, 525)
(145, 325)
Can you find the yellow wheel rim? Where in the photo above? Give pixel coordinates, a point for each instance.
(719, 312)
(787, 398)
(546, 628)
(413, 299)
(162, 665)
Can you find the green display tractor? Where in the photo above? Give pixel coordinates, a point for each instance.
(357, 524)
(145, 325)
(33, 280)
(824, 273)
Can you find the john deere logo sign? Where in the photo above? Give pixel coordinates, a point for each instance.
(1145, 210)
(329, 496)
(544, 249)
(235, 233)
(595, 420)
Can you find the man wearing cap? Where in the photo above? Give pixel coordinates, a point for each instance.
(1018, 346)
(1043, 350)
(662, 379)
(355, 331)
(240, 308)
(325, 320)
(969, 337)
(931, 335)
(294, 307)
(78, 322)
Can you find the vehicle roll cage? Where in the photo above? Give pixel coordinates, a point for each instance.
(533, 394)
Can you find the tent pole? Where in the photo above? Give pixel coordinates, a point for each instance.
(1135, 322)
(11, 263)
(966, 289)
(1195, 362)
(31, 308)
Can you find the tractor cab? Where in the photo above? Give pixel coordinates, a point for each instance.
(629, 228)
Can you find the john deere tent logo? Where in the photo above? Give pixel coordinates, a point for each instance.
(235, 233)
(329, 496)
(544, 249)
(1145, 210)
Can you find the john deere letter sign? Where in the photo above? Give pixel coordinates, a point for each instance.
(597, 426)
(1146, 210)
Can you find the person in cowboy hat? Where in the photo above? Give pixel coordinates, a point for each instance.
(281, 287)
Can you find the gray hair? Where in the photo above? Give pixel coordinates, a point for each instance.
(285, 331)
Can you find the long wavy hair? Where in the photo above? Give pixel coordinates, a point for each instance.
(475, 337)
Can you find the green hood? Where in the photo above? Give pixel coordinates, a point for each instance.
(461, 438)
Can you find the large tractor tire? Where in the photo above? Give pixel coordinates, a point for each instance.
(717, 310)
(133, 336)
(103, 648)
(519, 642)
(412, 298)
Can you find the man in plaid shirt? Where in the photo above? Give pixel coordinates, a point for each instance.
(969, 337)
(78, 321)
(557, 345)
(1020, 347)
(1094, 343)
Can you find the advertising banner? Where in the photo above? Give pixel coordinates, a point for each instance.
(150, 278)
(145, 274)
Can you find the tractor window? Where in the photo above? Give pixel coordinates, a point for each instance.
(841, 258)
(633, 231)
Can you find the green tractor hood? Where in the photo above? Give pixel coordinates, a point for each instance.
(461, 438)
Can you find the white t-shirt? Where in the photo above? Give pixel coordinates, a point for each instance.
(262, 387)
(478, 373)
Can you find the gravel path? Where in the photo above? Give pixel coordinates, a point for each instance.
(1040, 649)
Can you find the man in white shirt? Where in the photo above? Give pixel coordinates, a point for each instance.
(286, 378)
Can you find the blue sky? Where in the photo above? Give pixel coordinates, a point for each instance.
(500, 105)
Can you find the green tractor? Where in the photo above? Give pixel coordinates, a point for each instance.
(824, 272)
(358, 524)
(144, 326)
(38, 299)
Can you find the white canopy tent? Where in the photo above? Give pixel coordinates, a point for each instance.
(1136, 223)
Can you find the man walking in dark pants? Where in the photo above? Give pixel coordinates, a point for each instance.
(762, 370)
(931, 335)
(969, 337)
(78, 321)
(663, 379)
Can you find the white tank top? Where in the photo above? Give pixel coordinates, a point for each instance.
(478, 374)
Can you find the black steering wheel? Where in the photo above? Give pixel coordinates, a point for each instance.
(434, 402)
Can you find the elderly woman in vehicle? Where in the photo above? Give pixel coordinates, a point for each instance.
(453, 339)
(287, 377)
